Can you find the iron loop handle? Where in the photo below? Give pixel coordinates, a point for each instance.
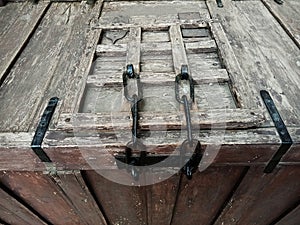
(184, 75)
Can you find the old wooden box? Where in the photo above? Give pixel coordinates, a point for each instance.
(78, 52)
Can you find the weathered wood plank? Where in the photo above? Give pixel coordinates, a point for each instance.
(200, 199)
(76, 151)
(292, 218)
(134, 48)
(206, 46)
(21, 19)
(255, 36)
(43, 195)
(161, 199)
(231, 119)
(122, 204)
(13, 212)
(287, 15)
(149, 13)
(260, 198)
(178, 49)
(44, 67)
(160, 79)
(74, 187)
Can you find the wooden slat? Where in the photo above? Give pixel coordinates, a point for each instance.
(178, 49)
(20, 19)
(122, 204)
(200, 199)
(44, 67)
(161, 199)
(134, 48)
(74, 187)
(13, 212)
(267, 56)
(45, 196)
(68, 151)
(292, 218)
(229, 119)
(154, 48)
(160, 79)
(287, 16)
(262, 197)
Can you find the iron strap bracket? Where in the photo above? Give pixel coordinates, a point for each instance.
(41, 130)
(286, 140)
(219, 3)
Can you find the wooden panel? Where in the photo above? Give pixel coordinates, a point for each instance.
(262, 197)
(200, 199)
(242, 147)
(161, 199)
(13, 212)
(122, 204)
(287, 15)
(20, 19)
(157, 79)
(292, 218)
(54, 200)
(61, 46)
(255, 36)
(233, 119)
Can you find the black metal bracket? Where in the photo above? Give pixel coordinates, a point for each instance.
(220, 4)
(41, 130)
(286, 140)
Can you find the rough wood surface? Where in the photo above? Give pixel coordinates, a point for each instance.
(13, 212)
(240, 147)
(178, 48)
(260, 198)
(292, 218)
(20, 19)
(43, 195)
(161, 200)
(158, 79)
(255, 36)
(122, 204)
(231, 119)
(51, 64)
(287, 15)
(200, 199)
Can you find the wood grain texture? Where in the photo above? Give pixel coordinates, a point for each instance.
(234, 119)
(122, 204)
(44, 195)
(94, 150)
(13, 212)
(41, 194)
(260, 198)
(255, 36)
(178, 48)
(158, 79)
(21, 19)
(161, 199)
(200, 199)
(49, 66)
(292, 218)
(287, 16)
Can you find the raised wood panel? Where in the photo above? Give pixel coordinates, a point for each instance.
(200, 199)
(261, 197)
(21, 19)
